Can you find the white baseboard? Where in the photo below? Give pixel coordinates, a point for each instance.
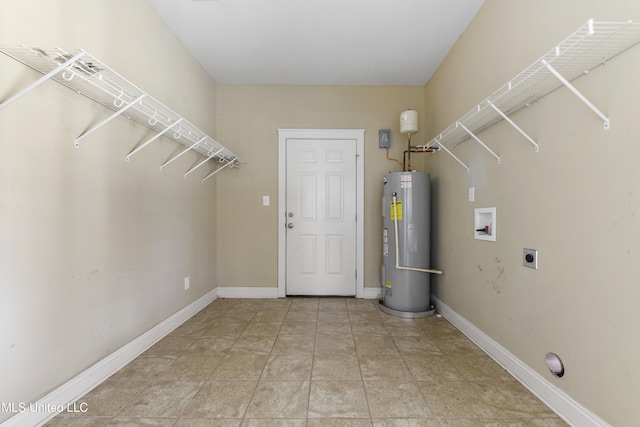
(372, 293)
(247, 292)
(265, 292)
(63, 397)
(560, 402)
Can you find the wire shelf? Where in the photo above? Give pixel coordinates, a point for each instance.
(592, 45)
(88, 76)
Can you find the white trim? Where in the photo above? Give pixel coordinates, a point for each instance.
(272, 292)
(87, 380)
(247, 292)
(372, 293)
(358, 136)
(559, 401)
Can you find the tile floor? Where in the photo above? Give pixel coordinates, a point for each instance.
(311, 362)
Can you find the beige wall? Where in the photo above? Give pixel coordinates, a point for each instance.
(576, 201)
(251, 115)
(94, 250)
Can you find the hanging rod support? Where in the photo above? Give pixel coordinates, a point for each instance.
(229, 163)
(451, 154)
(478, 141)
(191, 147)
(107, 120)
(210, 156)
(152, 139)
(576, 92)
(516, 127)
(43, 79)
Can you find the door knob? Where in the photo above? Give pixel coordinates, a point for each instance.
(290, 225)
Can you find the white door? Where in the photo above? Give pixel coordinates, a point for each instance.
(321, 184)
(321, 217)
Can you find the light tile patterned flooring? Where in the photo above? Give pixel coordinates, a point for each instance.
(311, 362)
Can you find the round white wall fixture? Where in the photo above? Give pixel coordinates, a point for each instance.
(554, 364)
(409, 122)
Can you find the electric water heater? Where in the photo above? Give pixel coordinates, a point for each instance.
(406, 244)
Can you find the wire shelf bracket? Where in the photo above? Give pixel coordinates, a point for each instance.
(151, 140)
(88, 76)
(472, 135)
(177, 156)
(42, 79)
(515, 126)
(201, 163)
(107, 120)
(437, 141)
(230, 164)
(591, 45)
(572, 88)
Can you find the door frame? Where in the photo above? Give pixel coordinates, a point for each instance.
(283, 136)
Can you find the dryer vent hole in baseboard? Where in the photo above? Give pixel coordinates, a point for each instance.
(555, 365)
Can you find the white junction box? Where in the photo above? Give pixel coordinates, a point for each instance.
(484, 224)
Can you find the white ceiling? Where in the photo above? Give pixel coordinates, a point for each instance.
(319, 42)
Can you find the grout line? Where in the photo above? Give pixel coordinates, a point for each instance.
(227, 312)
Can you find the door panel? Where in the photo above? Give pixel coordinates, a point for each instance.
(308, 197)
(321, 217)
(308, 245)
(335, 244)
(335, 194)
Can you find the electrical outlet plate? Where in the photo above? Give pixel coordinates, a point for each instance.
(530, 258)
(186, 283)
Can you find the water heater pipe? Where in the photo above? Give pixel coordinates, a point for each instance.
(398, 266)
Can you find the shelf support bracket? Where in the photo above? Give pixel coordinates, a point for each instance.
(152, 139)
(191, 147)
(576, 92)
(211, 156)
(515, 126)
(229, 163)
(43, 79)
(451, 154)
(107, 120)
(478, 141)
